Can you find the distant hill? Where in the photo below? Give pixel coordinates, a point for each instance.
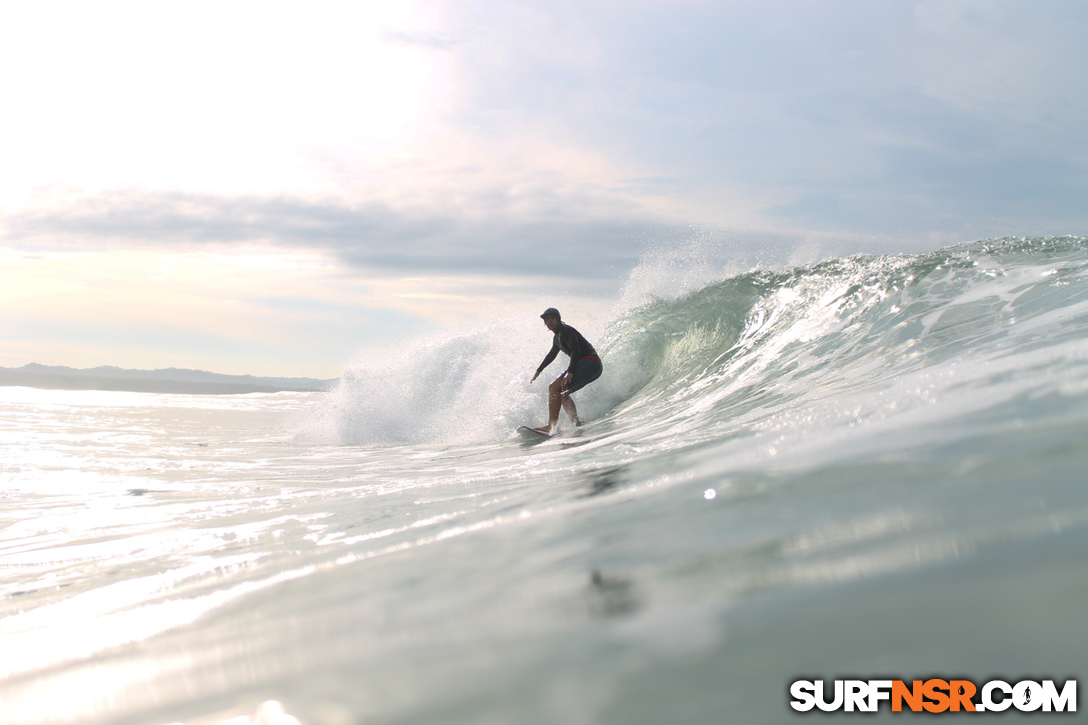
(171, 380)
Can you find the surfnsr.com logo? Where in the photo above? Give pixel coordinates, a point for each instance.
(934, 696)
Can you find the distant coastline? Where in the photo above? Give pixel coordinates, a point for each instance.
(170, 380)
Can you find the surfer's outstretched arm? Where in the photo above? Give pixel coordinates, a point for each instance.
(547, 359)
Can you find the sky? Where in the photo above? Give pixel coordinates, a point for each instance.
(269, 188)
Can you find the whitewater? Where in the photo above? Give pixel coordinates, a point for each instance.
(869, 467)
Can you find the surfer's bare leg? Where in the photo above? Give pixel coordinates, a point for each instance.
(568, 405)
(557, 399)
(555, 402)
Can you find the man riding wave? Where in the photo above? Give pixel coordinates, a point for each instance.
(585, 367)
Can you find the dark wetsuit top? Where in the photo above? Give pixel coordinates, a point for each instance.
(571, 342)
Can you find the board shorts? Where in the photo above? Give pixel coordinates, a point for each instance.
(586, 370)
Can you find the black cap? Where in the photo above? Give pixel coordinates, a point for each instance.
(551, 311)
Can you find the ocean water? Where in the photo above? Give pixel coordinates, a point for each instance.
(869, 467)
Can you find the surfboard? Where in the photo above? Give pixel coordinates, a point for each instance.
(531, 434)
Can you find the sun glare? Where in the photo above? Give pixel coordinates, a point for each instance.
(230, 97)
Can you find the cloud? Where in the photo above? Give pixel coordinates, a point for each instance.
(922, 165)
(896, 118)
(566, 137)
(373, 235)
(562, 136)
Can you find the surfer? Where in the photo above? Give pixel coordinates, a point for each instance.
(584, 368)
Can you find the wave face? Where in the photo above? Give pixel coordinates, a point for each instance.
(865, 342)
